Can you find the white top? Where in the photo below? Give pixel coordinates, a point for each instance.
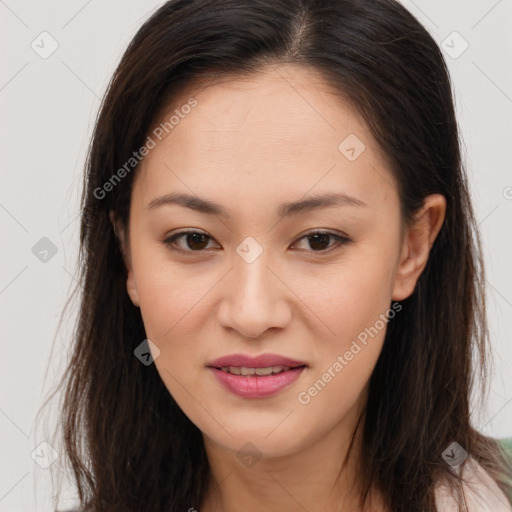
(482, 494)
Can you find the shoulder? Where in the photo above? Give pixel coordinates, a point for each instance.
(481, 491)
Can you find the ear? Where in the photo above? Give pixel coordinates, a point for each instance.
(131, 286)
(418, 240)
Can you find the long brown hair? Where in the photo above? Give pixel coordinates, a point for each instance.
(129, 446)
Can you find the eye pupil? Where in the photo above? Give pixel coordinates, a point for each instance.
(316, 237)
(196, 238)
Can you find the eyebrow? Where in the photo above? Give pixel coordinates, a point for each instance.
(285, 210)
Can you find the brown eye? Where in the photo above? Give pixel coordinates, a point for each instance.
(319, 241)
(195, 241)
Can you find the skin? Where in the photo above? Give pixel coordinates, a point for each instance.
(250, 145)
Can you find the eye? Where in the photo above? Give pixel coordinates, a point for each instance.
(196, 241)
(319, 239)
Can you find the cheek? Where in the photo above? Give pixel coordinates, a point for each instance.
(349, 297)
(172, 307)
(352, 301)
(172, 299)
(169, 293)
(346, 357)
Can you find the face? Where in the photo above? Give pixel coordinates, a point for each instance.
(312, 282)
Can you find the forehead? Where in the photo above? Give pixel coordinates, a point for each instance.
(279, 104)
(283, 128)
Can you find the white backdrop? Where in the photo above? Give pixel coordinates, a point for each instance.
(56, 60)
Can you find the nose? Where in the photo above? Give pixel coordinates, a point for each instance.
(255, 299)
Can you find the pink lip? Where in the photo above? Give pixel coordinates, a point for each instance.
(261, 361)
(257, 386)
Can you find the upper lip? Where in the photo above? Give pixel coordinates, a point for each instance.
(261, 361)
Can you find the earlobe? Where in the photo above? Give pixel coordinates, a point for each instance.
(417, 243)
(131, 286)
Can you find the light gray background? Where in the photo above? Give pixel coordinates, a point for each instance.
(48, 107)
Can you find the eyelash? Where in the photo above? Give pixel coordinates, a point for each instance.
(339, 241)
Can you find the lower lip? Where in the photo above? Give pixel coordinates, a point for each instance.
(257, 386)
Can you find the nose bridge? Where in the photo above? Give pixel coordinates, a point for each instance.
(251, 272)
(254, 299)
(252, 281)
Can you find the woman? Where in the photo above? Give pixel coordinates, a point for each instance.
(282, 285)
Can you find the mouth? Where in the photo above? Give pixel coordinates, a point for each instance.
(263, 364)
(260, 371)
(256, 376)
